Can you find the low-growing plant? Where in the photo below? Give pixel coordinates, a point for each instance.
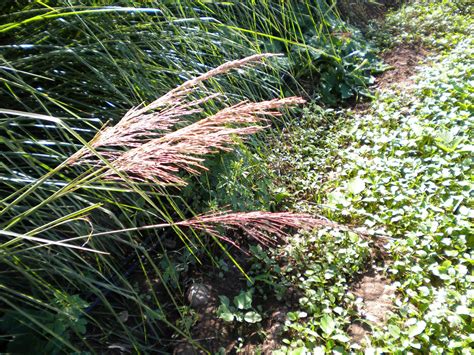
(240, 310)
(401, 169)
(430, 23)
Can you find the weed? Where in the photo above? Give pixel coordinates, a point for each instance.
(401, 170)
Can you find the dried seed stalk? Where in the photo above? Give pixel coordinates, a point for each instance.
(259, 225)
(141, 124)
(160, 159)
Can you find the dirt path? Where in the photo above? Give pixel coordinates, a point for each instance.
(373, 289)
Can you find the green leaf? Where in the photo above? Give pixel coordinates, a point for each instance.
(225, 300)
(463, 310)
(327, 324)
(346, 91)
(394, 331)
(416, 329)
(341, 337)
(243, 300)
(292, 316)
(252, 317)
(226, 316)
(302, 315)
(356, 185)
(223, 311)
(336, 198)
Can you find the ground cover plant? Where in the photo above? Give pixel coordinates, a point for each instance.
(399, 171)
(438, 24)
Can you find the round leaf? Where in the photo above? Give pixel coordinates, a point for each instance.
(252, 317)
(416, 329)
(327, 324)
(356, 185)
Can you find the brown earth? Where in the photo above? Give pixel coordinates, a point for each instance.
(403, 61)
(377, 296)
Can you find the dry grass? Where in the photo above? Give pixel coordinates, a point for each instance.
(155, 153)
(267, 228)
(260, 225)
(159, 160)
(141, 124)
(142, 146)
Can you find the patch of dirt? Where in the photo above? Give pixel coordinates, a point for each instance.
(274, 331)
(403, 61)
(212, 333)
(377, 296)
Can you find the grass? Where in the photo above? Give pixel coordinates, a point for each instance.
(90, 264)
(162, 156)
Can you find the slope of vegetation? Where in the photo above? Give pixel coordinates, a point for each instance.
(400, 172)
(134, 224)
(72, 68)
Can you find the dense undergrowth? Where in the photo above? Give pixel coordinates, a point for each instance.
(433, 24)
(401, 172)
(70, 67)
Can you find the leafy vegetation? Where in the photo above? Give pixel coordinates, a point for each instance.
(241, 310)
(102, 233)
(68, 69)
(401, 172)
(431, 23)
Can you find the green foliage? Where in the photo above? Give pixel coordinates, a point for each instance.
(21, 325)
(403, 172)
(437, 24)
(351, 78)
(241, 310)
(321, 266)
(236, 180)
(70, 67)
(362, 12)
(403, 169)
(311, 144)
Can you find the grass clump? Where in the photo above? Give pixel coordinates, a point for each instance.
(75, 279)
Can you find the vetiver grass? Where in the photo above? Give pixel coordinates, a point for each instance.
(45, 277)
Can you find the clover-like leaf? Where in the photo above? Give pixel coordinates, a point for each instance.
(356, 185)
(252, 317)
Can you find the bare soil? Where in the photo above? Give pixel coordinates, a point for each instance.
(377, 296)
(213, 334)
(403, 60)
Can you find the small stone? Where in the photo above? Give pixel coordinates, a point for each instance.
(199, 295)
(185, 348)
